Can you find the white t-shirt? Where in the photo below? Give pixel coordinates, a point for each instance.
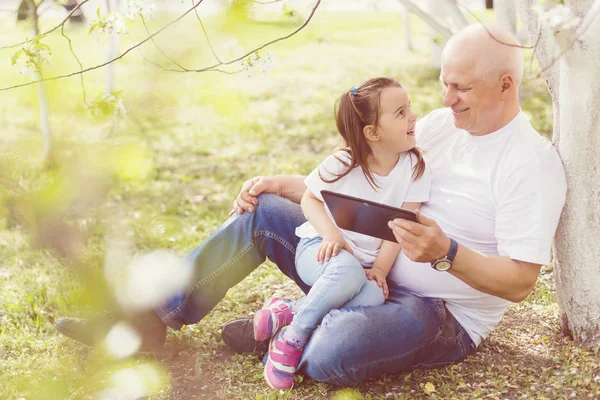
(394, 189)
(499, 194)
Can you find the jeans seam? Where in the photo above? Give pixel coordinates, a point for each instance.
(357, 367)
(441, 313)
(278, 238)
(167, 317)
(206, 280)
(456, 339)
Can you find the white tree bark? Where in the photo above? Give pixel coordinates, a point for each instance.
(505, 14)
(407, 33)
(42, 98)
(436, 10)
(574, 84)
(428, 18)
(458, 18)
(113, 50)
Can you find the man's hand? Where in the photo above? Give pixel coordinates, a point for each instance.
(421, 242)
(379, 276)
(331, 246)
(246, 200)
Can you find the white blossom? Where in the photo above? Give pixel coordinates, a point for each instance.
(148, 280)
(145, 8)
(113, 23)
(557, 16)
(258, 62)
(122, 340)
(131, 383)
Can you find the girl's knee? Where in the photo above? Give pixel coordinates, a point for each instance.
(349, 265)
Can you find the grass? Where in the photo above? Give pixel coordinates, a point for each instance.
(164, 176)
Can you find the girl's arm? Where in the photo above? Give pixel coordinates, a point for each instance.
(386, 257)
(333, 241)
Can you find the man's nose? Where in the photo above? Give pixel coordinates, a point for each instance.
(449, 98)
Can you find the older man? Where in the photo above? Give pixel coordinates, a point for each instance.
(498, 188)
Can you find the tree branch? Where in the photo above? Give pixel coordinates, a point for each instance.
(206, 35)
(62, 31)
(425, 17)
(266, 2)
(490, 33)
(264, 45)
(51, 30)
(109, 61)
(458, 16)
(211, 68)
(592, 14)
(158, 47)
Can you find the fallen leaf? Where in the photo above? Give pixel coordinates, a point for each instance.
(429, 388)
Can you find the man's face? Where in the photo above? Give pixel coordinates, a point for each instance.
(475, 102)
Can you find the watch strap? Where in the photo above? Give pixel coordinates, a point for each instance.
(453, 250)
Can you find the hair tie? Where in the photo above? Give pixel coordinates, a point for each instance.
(354, 90)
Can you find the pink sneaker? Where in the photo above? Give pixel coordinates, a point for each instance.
(274, 315)
(282, 362)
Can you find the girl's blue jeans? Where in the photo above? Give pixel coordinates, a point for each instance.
(351, 344)
(339, 282)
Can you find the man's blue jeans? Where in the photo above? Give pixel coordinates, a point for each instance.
(351, 344)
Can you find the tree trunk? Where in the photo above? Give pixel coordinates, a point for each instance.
(112, 52)
(77, 17)
(42, 98)
(407, 33)
(489, 4)
(577, 243)
(458, 18)
(573, 83)
(505, 13)
(437, 40)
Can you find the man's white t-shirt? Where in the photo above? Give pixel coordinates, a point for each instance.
(499, 194)
(394, 189)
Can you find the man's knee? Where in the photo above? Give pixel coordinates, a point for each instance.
(328, 354)
(273, 204)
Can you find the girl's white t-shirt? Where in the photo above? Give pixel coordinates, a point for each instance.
(394, 189)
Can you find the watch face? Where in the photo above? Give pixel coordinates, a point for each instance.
(443, 265)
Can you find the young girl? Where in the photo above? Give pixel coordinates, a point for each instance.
(379, 163)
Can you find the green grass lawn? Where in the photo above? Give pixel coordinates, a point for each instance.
(163, 177)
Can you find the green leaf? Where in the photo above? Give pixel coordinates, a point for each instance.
(37, 38)
(93, 27)
(16, 56)
(42, 46)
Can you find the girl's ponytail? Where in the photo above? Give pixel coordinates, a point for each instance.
(419, 167)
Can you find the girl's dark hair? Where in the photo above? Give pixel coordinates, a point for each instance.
(354, 110)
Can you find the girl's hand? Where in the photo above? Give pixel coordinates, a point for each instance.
(377, 275)
(331, 246)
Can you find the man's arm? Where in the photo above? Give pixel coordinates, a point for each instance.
(496, 275)
(291, 187)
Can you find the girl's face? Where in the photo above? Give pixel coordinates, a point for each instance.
(396, 128)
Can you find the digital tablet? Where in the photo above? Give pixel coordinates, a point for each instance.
(364, 216)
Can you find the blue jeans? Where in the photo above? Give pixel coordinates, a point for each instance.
(339, 282)
(351, 344)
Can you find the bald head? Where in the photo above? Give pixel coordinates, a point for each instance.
(487, 50)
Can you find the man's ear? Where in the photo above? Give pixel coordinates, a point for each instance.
(507, 83)
(371, 133)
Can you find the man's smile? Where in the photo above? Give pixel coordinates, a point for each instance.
(457, 111)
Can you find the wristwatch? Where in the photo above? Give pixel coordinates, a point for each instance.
(444, 264)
